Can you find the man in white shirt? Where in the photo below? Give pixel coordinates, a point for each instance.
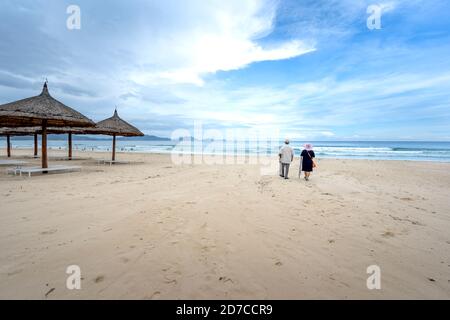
(286, 157)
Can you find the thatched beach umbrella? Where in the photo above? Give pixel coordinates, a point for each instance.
(115, 126)
(44, 111)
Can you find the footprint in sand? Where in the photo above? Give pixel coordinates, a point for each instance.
(14, 272)
(124, 260)
(225, 279)
(407, 220)
(170, 281)
(155, 295)
(388, 234)
(51, 231)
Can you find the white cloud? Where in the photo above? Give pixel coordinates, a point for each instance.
(388, 6)
(226, 37)
(216, 53)
(327, 134)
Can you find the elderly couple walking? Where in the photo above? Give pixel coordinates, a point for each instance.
(307, 162)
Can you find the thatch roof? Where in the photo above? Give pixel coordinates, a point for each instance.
(62, 130)
(115, 126)
(28, 131)
(32, 111)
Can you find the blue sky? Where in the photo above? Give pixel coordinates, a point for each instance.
(311, 69)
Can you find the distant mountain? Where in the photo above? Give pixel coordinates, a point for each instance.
(145, 138)
(91, 138)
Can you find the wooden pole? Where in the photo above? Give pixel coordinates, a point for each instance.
(35, 145)
(44, 145)
(114, 148)
(8, 145)
(70, 145)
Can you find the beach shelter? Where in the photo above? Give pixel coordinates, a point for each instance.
(115, 126)
(43, 111)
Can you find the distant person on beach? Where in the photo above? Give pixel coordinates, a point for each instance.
(307, 160)
(286, 155)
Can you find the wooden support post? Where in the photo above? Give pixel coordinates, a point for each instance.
(114, 148)
(70, 146)
(35, 145)
(44, 145)
(8, 145)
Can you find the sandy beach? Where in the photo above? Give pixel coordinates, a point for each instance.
(157, 230)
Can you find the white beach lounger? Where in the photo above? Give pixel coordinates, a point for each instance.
(30, 170)
(14, 170)
(111, 162)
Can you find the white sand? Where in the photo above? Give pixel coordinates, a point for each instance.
(158, 231)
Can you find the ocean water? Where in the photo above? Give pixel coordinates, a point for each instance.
(381, 150)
